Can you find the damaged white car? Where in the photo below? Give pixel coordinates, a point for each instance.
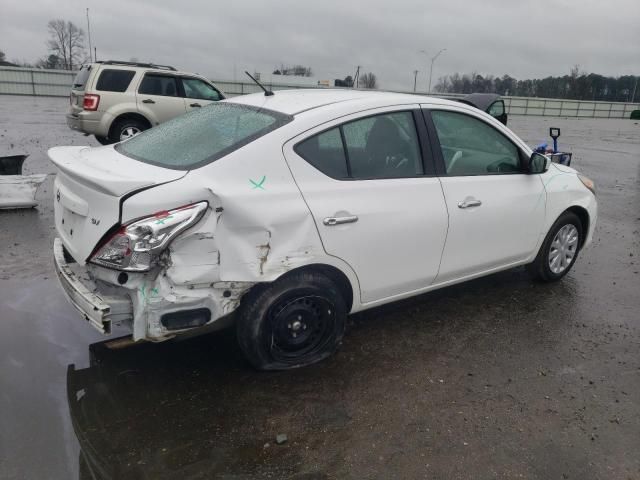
(292, 210)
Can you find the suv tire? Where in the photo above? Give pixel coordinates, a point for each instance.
(559, 250)
(103, 140)
(125, 129)
(296, 321)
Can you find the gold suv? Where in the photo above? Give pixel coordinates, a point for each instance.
(116, 100)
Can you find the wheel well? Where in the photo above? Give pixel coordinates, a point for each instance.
(339, 278)
(583, 215)
(129, 116)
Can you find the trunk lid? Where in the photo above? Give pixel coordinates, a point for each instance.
(89, 188)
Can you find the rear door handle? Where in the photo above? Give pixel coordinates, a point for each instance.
(331, 221)
(148, 100)
(469, 203)
(196, 105)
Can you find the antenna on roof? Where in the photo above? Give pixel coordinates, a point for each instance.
(267, 93)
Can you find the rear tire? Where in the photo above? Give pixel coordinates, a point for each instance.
(103, 140)
(125, 129)
(559, 250)
(294, 322)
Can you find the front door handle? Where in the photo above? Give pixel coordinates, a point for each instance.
(469, 203)
(148, 100)
(195, 105)
(331, 221)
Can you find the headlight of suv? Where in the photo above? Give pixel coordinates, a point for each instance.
(587, 182)
(136, 246)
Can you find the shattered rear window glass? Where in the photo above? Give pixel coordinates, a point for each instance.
(202, 136)
(81, 77)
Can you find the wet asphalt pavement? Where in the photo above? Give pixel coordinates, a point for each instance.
(496, 378)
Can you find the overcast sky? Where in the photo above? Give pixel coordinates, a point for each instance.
(524, 38)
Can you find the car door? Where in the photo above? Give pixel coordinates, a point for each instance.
(198, 93)
(376, 205)
(158, 97)
(496, 209)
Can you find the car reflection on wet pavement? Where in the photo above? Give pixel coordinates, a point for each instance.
(496, 378)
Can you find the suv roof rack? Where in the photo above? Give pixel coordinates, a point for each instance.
(136, 64)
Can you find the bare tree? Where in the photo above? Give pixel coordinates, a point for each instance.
(66, 42)
(368, 80)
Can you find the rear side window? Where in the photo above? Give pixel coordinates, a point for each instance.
(380, 146)
(81, 77)
(114, 80)
(202, 136)
(158, 85)
(326, 153)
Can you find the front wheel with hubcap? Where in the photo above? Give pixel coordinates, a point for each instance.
(559, 250)
(295, 321)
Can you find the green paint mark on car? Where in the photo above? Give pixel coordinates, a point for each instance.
(259, 184)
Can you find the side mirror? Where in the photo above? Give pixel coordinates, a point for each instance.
(538, 163)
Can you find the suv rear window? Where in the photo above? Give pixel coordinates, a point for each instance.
(202, 136)
(114, 80)
(81, 77)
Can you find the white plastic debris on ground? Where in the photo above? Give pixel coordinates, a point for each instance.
(16, 190)
(19, 191)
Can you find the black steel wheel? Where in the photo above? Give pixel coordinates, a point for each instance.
(295, 321)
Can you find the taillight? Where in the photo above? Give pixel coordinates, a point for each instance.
(91, 102)
(135, 247)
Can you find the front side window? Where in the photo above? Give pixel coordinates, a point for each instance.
(163, 85)
(202, 136)
(379, 146)
(114, 80)
(194, 88)
(496, 109)
(472, 147)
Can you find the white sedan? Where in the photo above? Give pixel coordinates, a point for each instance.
(285, 213)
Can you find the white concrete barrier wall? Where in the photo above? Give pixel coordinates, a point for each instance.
(56, 83)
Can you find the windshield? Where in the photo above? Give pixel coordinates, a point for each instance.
(202, 136)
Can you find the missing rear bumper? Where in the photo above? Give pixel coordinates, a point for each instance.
(99, 310)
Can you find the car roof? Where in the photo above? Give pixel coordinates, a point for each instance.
(293, 102)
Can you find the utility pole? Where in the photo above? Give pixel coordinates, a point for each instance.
(356, 77)
(635, 86)
(415, 78)
(89, 34)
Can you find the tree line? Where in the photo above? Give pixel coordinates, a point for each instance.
(577, 85)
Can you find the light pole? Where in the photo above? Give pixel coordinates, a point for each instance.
(89, 33)
(433, 59)
(415, 77)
